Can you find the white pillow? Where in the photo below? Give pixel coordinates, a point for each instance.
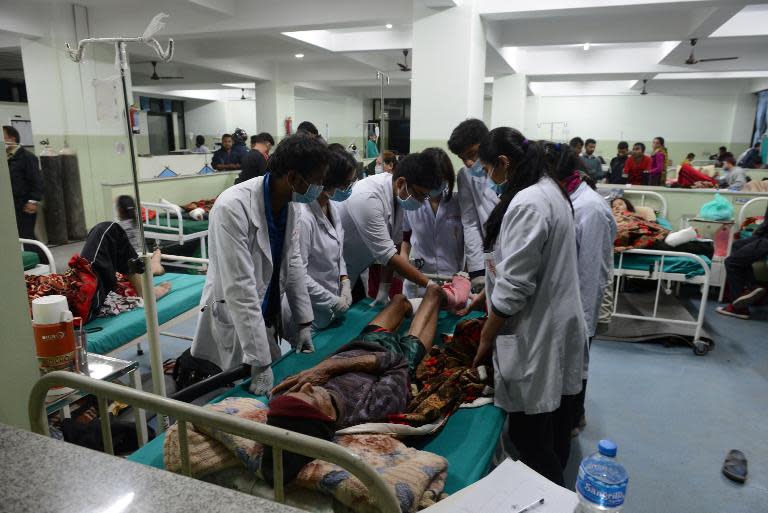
(646, 212)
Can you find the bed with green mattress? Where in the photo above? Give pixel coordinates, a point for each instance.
(672, 264)
(29, 260)
(467, 441)
(188, 226)
(105, 334)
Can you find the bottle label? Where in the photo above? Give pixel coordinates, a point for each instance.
(609, 495)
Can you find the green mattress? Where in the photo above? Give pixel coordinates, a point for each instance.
(676, 264)
(106, 334)
(29, 259)
(190, 226)
(467, 441)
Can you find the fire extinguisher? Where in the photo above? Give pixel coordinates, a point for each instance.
(133, 114)
(288, 123)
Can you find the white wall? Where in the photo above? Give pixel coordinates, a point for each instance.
(218, 117)
(692, 120)
(487, 107)
(11, 110)
(343, 116)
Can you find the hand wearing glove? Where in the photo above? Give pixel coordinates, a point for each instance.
(304, 340)
(262, 380)
(382, 298)
(478, 284)
(340, 307)
(346, 291)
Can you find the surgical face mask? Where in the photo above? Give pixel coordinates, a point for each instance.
(477, 170)
(409, 203)
(313, 192)
(378, 169)
(434, 193)
(498, 188)
(342, 194)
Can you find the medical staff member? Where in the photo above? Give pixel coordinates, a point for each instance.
(477, 201)
(373, 220)
(254, 259)
(433, 236)
(535, 325)
(321, 239)
(595, 233)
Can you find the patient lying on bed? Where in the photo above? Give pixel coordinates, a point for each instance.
(366, 380)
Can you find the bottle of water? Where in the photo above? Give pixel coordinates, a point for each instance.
(602, 481)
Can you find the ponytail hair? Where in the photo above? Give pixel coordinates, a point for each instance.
(126, 208)
(529, 162)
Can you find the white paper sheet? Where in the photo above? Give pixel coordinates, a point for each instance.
(509, 488)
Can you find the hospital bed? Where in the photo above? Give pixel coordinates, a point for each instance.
(664, 267)
(169, 224)
(108, 334)
(31, 260)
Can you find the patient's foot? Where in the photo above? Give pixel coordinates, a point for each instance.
(155, 265)
(162, 289)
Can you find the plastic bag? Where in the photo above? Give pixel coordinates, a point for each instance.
(719, 209)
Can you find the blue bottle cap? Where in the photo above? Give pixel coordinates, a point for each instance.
(607, 448)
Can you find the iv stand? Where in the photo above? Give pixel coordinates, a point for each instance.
(147, 286)
(382, 77)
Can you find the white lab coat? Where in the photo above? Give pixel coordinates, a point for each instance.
(322, 253)
(373, 224)
(477, 201)
(231, 328)
(532, 279)
(437, 239)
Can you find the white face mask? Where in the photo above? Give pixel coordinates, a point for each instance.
(378, 169)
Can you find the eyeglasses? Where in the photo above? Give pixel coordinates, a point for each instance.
(332, 190)
(418, 196)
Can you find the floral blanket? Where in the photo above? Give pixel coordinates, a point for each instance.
(417, 477)
(635, 232)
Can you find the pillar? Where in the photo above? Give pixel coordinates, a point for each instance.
(275, 101)
(448, 71)
(510, 93)
(78, 104)
(18, 366)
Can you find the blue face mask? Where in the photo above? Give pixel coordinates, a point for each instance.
(409, 203)
(313, 192)
(342, 194)
(477, 170)
(498, 188)
(434, 193)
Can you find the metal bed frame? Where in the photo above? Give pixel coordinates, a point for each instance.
(743, 211)
(41, 268)
(160, 228)
(279, 439)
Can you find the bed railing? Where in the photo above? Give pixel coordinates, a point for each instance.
(658, 273)
(743, 212)
(661, 202)
(44, 249)
(164, 213)
(279, 439)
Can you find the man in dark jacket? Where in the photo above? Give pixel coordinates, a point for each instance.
(616, 172)
(26, 182)
(254, 162)
(740, 274)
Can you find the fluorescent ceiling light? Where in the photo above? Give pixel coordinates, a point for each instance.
(388, 25)
(586, 88)
(241, 85)
(489, 80)
(586, 47)
(711, 75)
(299, 55)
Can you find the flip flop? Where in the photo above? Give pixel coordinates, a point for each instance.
(735, 466)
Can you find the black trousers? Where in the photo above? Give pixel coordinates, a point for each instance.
(25, 224)
(544, 439)
(738, 266)
(580, 398)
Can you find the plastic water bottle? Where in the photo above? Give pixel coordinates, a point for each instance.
(722, 236)
(602, 481)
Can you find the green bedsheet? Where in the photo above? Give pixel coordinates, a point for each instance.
(467, 441)
(682, 265)
(29, 259)
(185, 293)
(190, 226)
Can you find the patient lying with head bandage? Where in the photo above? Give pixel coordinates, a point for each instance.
(366, 380)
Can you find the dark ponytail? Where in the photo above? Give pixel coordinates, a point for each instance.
(529, 161)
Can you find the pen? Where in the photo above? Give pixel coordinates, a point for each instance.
(531, 506)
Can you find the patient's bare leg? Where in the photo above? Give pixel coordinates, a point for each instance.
(424, 325)
(392, 316)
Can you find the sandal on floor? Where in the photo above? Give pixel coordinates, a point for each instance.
(735, 466)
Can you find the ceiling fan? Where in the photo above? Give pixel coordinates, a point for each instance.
(404, 66)
(155, 76)
(243, 97)
(644, 91)
(693, 60)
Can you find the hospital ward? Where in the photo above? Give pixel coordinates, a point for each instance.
(355, 256)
